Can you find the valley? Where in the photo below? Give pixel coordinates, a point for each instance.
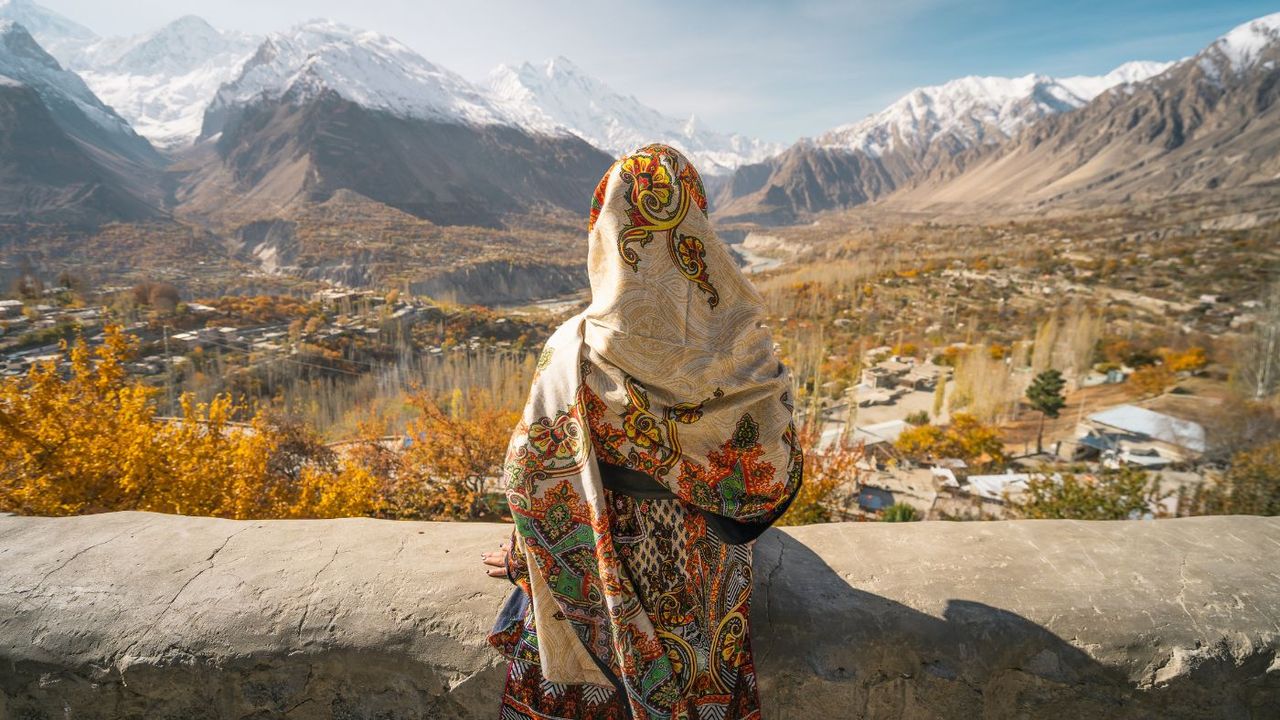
(323, 224)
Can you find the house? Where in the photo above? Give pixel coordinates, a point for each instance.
(922, 377)
(995, 488)
(1132, 435)
(874, 499)
(10, 308)
(880, 433)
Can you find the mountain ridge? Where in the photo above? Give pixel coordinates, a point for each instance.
(927, 128)
(559, 95)
(1208, 121)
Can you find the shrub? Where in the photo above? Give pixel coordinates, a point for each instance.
(900, 512)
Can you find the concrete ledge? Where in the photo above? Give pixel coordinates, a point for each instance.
(140, 615)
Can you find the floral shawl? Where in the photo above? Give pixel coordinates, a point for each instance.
(669, 372)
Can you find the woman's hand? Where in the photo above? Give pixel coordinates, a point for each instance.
(497, 561)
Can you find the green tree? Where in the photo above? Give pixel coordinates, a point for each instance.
(1045, 396)
(1110, 495)
(900, 512)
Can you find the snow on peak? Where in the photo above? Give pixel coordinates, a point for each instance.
(23, 60)
(976, 110)
(58, 35)
(364, 67)
(162, 81)
(178, 48)
(1243, 45)
(1088, 87)
(558, 96)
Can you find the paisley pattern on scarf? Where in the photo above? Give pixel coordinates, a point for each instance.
(686, 388)
(660, 196)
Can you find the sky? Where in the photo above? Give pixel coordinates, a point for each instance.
(774, 69)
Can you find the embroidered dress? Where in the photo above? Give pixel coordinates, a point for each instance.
(632, 601)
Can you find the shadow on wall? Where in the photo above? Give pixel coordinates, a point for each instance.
(826, 649)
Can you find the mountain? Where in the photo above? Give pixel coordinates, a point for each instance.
(559, 96)
(59, 36)
(1207, 122)
(162, 81)
(159, 81)
(367, 68)
(976, 110)
(324, 108)
(64, 155)
(926, 128)
(71, 102)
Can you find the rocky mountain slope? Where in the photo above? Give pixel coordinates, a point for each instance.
(1210, 121)
(65, 155)
(324, 108)
(926, 128)
(47, 175)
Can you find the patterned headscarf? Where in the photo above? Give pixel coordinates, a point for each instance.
(669, 372)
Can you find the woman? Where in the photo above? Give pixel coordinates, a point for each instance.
(656, 445)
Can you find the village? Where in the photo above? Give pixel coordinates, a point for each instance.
(895, 391)
(858, 400)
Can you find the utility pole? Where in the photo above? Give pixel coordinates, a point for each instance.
(168, 364)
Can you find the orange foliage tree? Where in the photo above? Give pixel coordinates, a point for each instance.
(452, 465)
(1151, 380)
(826, 472)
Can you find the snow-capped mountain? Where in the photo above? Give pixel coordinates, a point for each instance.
(65, 156)
(368, 68)
(58, 35)
(558, 96)
(325, 109)
(928, 128)
(159, 81)
(1241, 49)
(162, 81)
(66, 95)
(976, 110)
(1210, 121)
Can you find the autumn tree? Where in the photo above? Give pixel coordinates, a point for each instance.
(826, 473)
(454, 456)
(1044, 394)
(1192, 360)
(1256, 369)
(965, 438)
(1152, 380)
(91, 441)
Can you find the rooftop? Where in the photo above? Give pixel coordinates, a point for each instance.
(1158, 426)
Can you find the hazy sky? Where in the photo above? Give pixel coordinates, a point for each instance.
(777, 70)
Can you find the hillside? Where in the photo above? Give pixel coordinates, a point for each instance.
(1209, 122)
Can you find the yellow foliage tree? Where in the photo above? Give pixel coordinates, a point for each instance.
(91, 442)
(1193, 359)
(965, 438)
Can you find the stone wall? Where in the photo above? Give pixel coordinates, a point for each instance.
(139, 615)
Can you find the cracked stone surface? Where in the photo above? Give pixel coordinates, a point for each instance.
(141, 615)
